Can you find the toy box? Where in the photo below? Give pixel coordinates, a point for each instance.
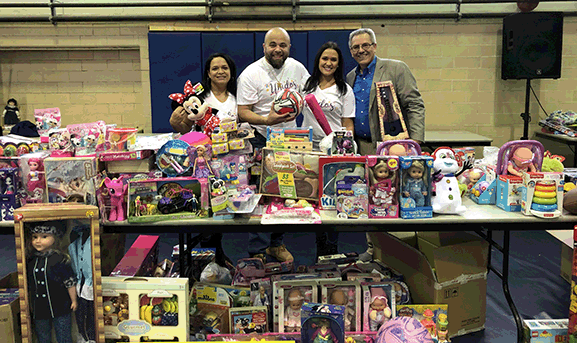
(239, 296)
(248, 269)
(432, 316)
(167, 199)
(71, 179)
(379, 304)
(290, 298)
(10, 309)
(290, 138)
(209, 310)
(542, 194)
(34, 177)
(87, 138)
(343, 143)
(322, 323)
(484, 191)
(11, 192)
(382, 175)
(333, 169)
(508, 194)
(140, 259)
(352, 198)
(75, 227)
(231, 169)
(47, 119)
(120, 138)
(347, 294)
(545, 330)
(137, 309)
(415, 197)
(290, 174)
(245, 320)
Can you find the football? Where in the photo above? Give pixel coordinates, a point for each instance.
(289, 102)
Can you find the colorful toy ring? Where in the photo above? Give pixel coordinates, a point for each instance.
(547, 194)
(545, 187)
(544, 201)
(544, 208)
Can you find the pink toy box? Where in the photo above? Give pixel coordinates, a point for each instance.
(415, 197)
(34, 178)
(333, 169)
(379, 304)
(71, 179)
(347, 294)
(47, 119)
(509, 186)
(87, 138)
(167, 199)
(432, 316)
(382, 175)
(140, 260)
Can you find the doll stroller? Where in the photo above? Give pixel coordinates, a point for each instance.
(411, 147)
(508, 149)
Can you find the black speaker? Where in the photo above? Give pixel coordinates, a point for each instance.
(532, 44)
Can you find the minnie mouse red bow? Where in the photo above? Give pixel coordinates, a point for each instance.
(188, 90)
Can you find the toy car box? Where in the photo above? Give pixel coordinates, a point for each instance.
(140, 260)
(167, 199)
(545, 330)
(140, 309)
(449, 269)
(10, 309)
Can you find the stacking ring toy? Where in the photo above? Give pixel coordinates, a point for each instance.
(545, 194)
(544, 208)
(545, 187)
(544, 201)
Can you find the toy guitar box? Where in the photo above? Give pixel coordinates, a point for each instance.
(391, 119)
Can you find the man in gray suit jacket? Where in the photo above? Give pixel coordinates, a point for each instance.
(372, 69)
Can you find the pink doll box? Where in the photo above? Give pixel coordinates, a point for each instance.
(382, 175)
(378, 304)
(11, 192)
(71, 179)
(290, 174)
(34, 178)
(432, 316)
(333, 169)
(291, 296)
(416, 204)
(542, 195)
(140, 260)
(59, 143)
(508, 195)
(347, 294)
(145, 309)
(88, 138)
(173, 198)
(47, 119)
(107, 156)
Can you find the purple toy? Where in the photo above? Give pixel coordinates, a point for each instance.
(403, 330)
(117, 190)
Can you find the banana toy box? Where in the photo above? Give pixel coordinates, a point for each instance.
(141, 308)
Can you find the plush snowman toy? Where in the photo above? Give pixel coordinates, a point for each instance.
(447, 196)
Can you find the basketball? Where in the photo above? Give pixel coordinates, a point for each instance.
(288, 102)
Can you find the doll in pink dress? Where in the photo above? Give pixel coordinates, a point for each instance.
(201, 168)
(381, 192)
(379, 313)
(292, 314)
(35, 184)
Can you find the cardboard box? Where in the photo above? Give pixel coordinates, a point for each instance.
(10, 309)
(459, 279)
(566, 238)
(545, 330)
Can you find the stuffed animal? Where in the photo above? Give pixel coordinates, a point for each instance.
(552, 163)
(447, 195)
(117, 190)
(198, 111)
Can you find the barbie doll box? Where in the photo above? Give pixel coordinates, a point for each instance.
(453, 273)
(9, 309)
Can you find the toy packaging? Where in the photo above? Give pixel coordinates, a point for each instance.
(545, 330)
(542, 194)
(573, 304)
(231, 169)
(87, 138)
(47, 119)
(415, 186)
(392, 123)
(145, 308)
(433, 317)
(332, 170)
(290, 174)
(71, 179)
(300, 139)
(379, 304)
(209, 310)
(173, 158)
(322, 323)
(352, 198)
(245, 320)
(231, 136)
(140, 260)
(239, 296)
(120, 138)
(167, 199)
(290, 298)
(382, 175)
(34, 177)
(484, 190)
(348, 295)
(11, 192)
(290, 212)
(248, 269)
(59, 143)
(343, 143)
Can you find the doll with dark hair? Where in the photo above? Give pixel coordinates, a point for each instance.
(11, 112)
(51, 283)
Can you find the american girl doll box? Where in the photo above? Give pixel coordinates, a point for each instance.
(347, 294)
(415, 186)
(382, 175)
(290, 174)
(173, 198)
(333, 169)
(58, 260)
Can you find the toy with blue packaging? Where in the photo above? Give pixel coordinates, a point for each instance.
(542, 194)
(415, 184)
(515, 158)
(322, 323)
(333, 169)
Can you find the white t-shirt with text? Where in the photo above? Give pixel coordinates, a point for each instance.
(226, 110)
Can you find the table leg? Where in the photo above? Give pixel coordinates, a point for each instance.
(504, 275)
(575, 155)
(181, 253)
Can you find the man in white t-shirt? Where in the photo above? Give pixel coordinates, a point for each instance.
(257, 87)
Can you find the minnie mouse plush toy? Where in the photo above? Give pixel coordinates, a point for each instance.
(198, 111)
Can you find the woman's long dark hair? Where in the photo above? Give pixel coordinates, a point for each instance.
(231, 85)
(313, 81)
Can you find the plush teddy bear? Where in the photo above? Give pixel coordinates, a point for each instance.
(198, 110)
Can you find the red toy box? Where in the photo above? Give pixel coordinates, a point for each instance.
(140, 260)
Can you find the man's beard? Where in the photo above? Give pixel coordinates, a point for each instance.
(277, 64)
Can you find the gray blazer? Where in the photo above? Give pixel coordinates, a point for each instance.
(410, 100)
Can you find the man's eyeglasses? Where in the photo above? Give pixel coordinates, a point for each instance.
(365, 46)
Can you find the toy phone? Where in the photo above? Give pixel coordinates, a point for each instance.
(390, 116)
